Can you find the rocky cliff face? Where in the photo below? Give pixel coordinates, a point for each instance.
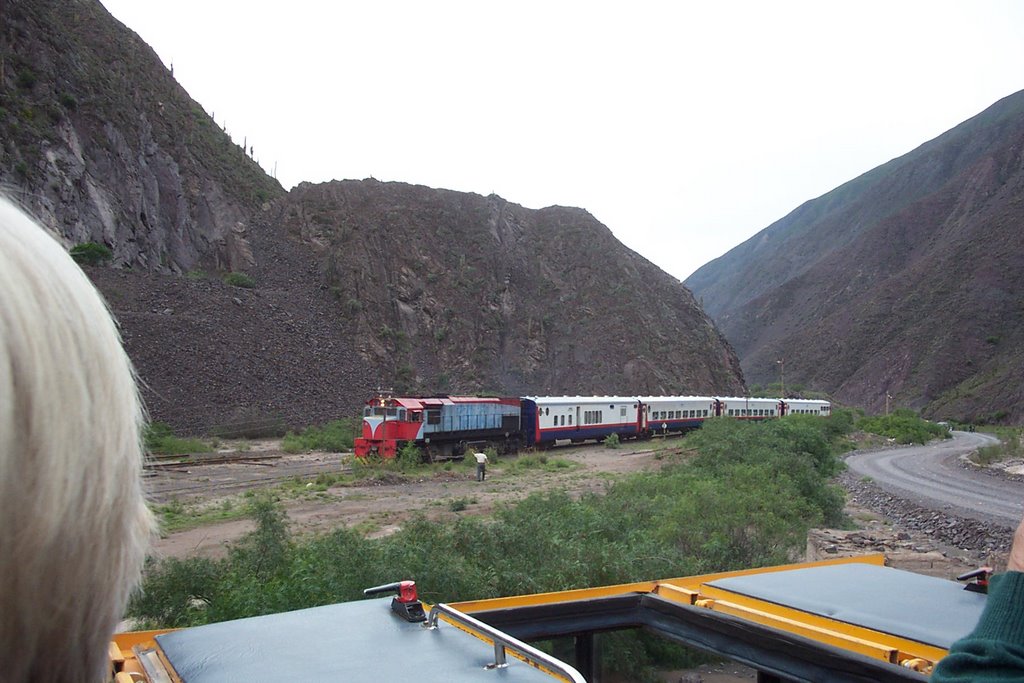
(352, 284)
(104, 146)
(907, 280)
(360, 284)
(459, 291)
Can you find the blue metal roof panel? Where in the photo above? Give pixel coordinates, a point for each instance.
(353, 641)
(921, 608)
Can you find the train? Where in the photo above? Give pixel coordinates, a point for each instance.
(446, 427)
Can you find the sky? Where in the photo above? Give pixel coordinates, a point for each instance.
(685, 127)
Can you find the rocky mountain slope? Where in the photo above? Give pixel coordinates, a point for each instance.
(347, 285)
(907, 280)
(104, 146)
(458, 290)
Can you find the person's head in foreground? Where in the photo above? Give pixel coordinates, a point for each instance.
(73, 520)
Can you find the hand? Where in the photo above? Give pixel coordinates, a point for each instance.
(1016, 561)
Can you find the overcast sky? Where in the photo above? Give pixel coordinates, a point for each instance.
(684, 127)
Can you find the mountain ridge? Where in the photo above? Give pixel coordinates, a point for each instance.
(876, 293)
(240, 303)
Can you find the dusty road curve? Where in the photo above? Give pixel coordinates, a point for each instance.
(930, 476)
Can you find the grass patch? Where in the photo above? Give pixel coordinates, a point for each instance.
(239, 280)
(334, 437)
(158, 438)
(460, 504)
(541, 462)
(1008, 448)
(177, 516)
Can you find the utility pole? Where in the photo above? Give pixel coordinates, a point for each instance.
(782, 375)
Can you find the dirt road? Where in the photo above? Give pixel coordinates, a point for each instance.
(930, 476)
(379, 506)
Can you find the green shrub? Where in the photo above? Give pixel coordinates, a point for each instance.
(158, 438)
(1008, 447)
(91, 253)
(409, 456)
(746, 499)
(612, 441)
(26, 79)
(904, 426)
(239, 280)
(459, 504)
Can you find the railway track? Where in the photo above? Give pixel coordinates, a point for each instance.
(177, 477)
(212, 475)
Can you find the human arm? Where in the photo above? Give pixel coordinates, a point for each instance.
(994, 650)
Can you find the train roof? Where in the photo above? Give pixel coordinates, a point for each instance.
(581, 400)
(352, 641)
(846, 619)
(652, 399)
(420, 402)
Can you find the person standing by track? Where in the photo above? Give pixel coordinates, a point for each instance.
(481, 465)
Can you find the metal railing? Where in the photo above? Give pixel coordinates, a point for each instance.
(502, 640)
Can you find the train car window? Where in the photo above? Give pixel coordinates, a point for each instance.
(433, 417)
(547, 411)
(563, 420)
(570, 419)
(705, 413)
(622, 411)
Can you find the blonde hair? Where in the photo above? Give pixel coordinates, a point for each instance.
(74, 525)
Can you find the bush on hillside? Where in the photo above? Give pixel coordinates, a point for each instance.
(91, 253)
(905, 426)
(239, 280)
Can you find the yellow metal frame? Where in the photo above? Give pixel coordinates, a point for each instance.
(688, 590)
(694, 590)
